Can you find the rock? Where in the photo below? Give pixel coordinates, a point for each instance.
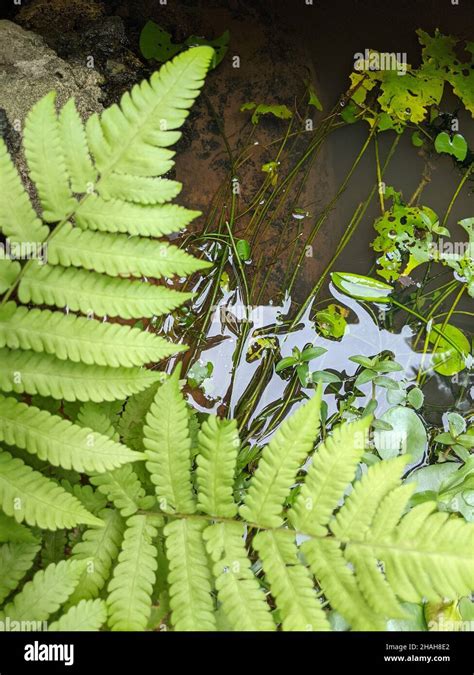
(81, 31)
(30, 69)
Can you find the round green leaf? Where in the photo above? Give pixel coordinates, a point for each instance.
(446, 360)
(455, 146)
(407, 437)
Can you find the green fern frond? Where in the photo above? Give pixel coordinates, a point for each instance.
(130, 138)
(15, 561)
(13, 532)
(99, 548)
(18, 220)
(45, 593)
(353, 520)
(121, 487)
(58, 441)
(76, 152)
(168, 448)
(97, 294)
(428, 555)
(75, 338)
(339, 583)
(9, 270)
(115, 215)
(129, 591)
(243, 600)
(281, 459)
(391, 510)
(290, 582)
(189, 577)
(93, 500)
(96, 417)
(133, 418)
(88, 615)
(32, 373)
(333, 467)
(45, 157)
(28, 496)
(120, 255)
(138, 189)
(218, 446)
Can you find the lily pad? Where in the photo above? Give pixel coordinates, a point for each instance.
(408, 435)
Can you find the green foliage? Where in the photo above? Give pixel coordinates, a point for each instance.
(259, 109)
(455, 146)
(392, 94)
(280, 553)
(103, 206)
(156, 43)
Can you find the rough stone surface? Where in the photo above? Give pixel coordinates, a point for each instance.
(29, 69)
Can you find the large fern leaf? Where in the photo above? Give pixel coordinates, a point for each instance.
(32, 373)
(243, 600)
(45, 157)
(97, 294)
(290, 581)
(18, 221)
(15, 561)
(120, 255)
(130, 138)
(99, 547)
(332, 469)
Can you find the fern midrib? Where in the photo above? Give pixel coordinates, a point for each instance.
(292, 533)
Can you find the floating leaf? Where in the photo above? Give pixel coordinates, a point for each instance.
(408, 435)
(446, 359)
(361, 287)
(331, 322)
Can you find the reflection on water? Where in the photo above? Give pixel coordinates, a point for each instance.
(363, 336)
